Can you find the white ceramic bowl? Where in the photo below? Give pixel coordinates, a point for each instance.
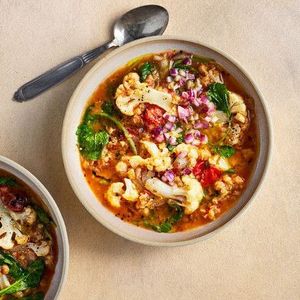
(61, 233)
(77, 105)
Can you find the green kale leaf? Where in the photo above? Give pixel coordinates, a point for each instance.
(110, 108)
(29, 279)
(7, 181)
(145, 70)
(37, 296)
(224, 150)
(179, 65)
(42, 215)
(167, 225)
(15, 269)
(91, 143)
(218, 94)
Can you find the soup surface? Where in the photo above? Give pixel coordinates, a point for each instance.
(28, 249)
(168, 141)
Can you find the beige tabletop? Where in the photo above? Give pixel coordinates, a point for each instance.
(257, 256)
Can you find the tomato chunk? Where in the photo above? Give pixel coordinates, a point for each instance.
(206, 173)
(153, 116)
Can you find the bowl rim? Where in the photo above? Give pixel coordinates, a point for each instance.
(82, 84)
(61, 224)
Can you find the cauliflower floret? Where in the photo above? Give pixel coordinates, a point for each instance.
(159, 161)
(237, 107)
(9, 233)
(121, 167)
(192, 153)
(114, 193)
(131, 193)
(219, 162)
(132, 92)
(190, 195)
(28, 216)
(42, 249)
(136, 161)
(161, 189)
(194, 194)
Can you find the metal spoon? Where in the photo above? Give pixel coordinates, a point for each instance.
(144, 21)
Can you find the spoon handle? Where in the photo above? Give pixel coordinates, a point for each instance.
(58, 74)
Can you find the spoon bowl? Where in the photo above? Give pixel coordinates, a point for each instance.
(143, 21)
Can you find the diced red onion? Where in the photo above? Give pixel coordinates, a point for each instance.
(204, 99)
(169, 176)
(191, 93)
(187, 61)
(181, 82)
(179, 130)
(207, 119)
(169, 126)
(185, 95)
(203, 139)
(189, 138)
(170, 118)
(196, 102)
(172, 140)
(190, 76)
(182, 154)
(163, 178)
(187, 171)
(167, 135)
(197, 133)
(157, 131)
(160, 138)
(201, 125)
(173, 72)
(183, 113)
(196, 142)
(211, 108)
